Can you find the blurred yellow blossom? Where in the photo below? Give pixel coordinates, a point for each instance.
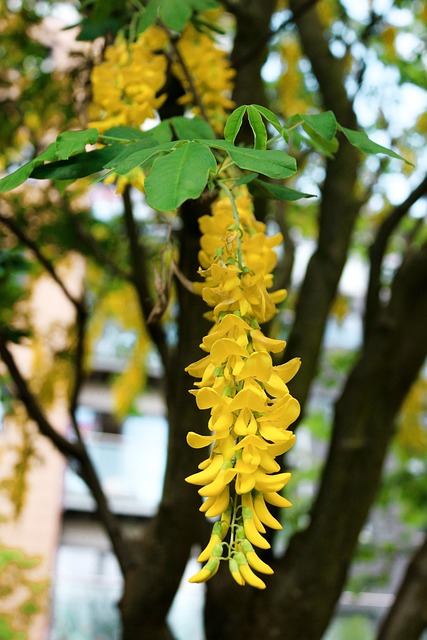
(211, 76)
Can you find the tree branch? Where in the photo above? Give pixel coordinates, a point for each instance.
(197, 100)
(378, 249)
(303, 593)
(407, 617)
(67, 448)
(166, 542)
(262, 40)
(18, 231)
(338, 211)
(139, 278)
(81, 320)
(73, 451)
(96, 250)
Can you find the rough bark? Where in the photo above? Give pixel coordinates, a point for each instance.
(252, 21)
(303, 594)
(165, 547)
(337, 215)
(407, 617)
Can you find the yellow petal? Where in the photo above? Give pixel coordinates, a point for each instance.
(208, 474)
(272, 433)
(288, 370)
(261, 342)
(250, 398)
(223, 348)
(276, 499)
(196, 441)
(258, 365)
(207, 398)
(275, 386)
(196, 369)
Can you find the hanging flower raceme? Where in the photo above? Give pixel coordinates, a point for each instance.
(125, 89)
(125, 85)
(251, 407)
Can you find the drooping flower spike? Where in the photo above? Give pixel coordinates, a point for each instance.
(251, 407)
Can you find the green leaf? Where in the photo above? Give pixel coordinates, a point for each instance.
(92, 28)
(263, 189)
(360, 140)
(175, 14)
(233, 124)
(20, 175)
(204, 5)
(246, 179)
(71, 142)
(324, 124)
(124, 133)
(147, 18)
(161, 132)
(181, 175)
(270, 117)
(191, 128)
(325, 147)
(274, 164)
(137, 154)
(78, 166)
(258, 128)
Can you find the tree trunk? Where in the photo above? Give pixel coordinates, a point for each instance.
(302, 595)
(407, 617)
(166, 544)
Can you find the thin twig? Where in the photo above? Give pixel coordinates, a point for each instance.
(96, 250)
(46, 264)
(139, 263)
(69, 449)
(196, 97)
(186, 283)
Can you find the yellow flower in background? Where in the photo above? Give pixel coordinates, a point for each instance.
(125, 85)
(125, 89)
(293, 96)
(211, 74)
(250, 404)
(135, 177)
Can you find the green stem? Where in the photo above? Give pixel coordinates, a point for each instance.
(232, 525)
(237, 221)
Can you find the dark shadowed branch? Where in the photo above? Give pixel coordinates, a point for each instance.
(139, 264)
(265, 35)
(378, 250)
(407, 617)
(337, 215)
(311, 575)
(74, 451)
(96, 251)
(18, 231)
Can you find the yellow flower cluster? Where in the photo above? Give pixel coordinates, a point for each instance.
(251, 407)
(211, 76)
(125, 85)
